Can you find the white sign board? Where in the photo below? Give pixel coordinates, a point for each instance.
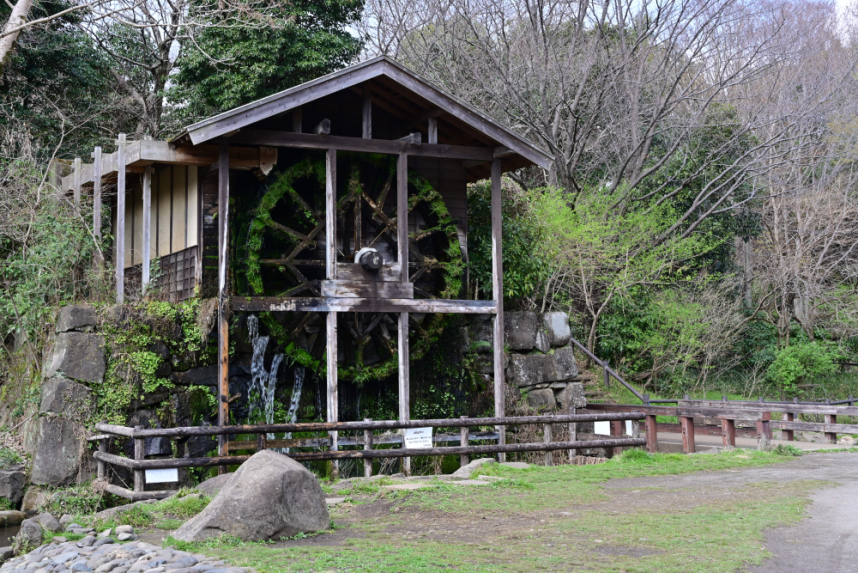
(162, 476)
(604, 428)
(418, 438)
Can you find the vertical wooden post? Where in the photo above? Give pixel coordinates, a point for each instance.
(831, 436)
(403, 326)
(139, 455)
(76, 184)
(102, 467)
(687, 425)
(433, 130)
(96, 192)
(297, 120)
(54, 177)
(367, 111)
(404, 380)
(764, 431)
(367, 445)
(223, 297)
(605, 366)
(549, 455)
(497, 294)
(464, 441)
(651, 434)
(573, 433)
(788, 435)
(261, 442)
(331, 274)
(728, 432)
(120, 220)
(147, 226)
(617, 430)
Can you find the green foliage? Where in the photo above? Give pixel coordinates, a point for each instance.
(229, 66)
(9, 457)
(76, 500)
(5, 504)
(802, 364)
(787, 450)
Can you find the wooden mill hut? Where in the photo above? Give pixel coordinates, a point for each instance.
(356, 152)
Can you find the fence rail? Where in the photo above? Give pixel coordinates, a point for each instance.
(139, 435)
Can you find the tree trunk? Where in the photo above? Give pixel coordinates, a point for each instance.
(7, 41)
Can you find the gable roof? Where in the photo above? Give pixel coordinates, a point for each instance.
(407, 83)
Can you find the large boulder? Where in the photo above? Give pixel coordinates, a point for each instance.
(556, 327)
(12, 484)
(78, 355)
(29, 537)
(35, 498)
(520, 330)
(466, 471)
(211, 487)
(67, 399)
(541, 399)
(58, 457)
(10, 518)
(531, 369)
(270, 496)
(76, 318)
(565, 366)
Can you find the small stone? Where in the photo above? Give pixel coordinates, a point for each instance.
(65, 557)
(49, 522)
(124, 529)
(104, 541)
(59, 539)
(66, 520)
(87, 541)
(105, 533)
(74, 525)
(80, 567)
(126, 537)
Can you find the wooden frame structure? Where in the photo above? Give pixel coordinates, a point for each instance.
(250, 136)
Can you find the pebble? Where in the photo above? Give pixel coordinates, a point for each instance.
(106, 556)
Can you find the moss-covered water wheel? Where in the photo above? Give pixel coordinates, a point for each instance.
(285, 257)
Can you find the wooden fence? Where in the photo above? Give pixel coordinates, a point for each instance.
(363, 438)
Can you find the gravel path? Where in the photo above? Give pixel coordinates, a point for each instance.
(106, 556)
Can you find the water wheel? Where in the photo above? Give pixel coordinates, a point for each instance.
(285, 247)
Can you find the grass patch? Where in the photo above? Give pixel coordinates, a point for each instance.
(177, 509)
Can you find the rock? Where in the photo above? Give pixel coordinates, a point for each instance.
(520, 330)
(12, 484)
(516, 465)
(532, 369)
(111, 513)
(572, 396)
(105, 533)
(59, 539)
(846, 440)
(87, 541)
(6, 553)
(67, 399)
(126, 537)
(541, 399)
(58, 457)
(80, 567)
(66, 519)
(201, 376)
(35, 498)
(212, 486)
(271, 496)
(29, 537)
(466, 471)
(556, 327)
(153, 446)
(76, 318)
(10, 518)
(103, 541)
(124, 529)
(479, 336)
(565, 366)
(49, 522)
(78, 355)
(542, 343)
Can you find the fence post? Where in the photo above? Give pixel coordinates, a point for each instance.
(651, 434)
(788, 435)
(617, 431)
(605, 366)
(549, 455)
(465, 440)
(261, 440)
(764, 431)
(573, 434)
(367, 445)
(139, 454)
(831, 436)
(102, 467)
(687, 425)
(728, 431)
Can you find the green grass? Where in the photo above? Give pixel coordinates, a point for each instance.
(179, 508)
(440, 528)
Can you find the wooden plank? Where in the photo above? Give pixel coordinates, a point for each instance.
(307, 304)
(367, 445)
(497, 295)
(747, 415)
(764, 432)
(826, 428)
(389, 272)
(126, 493)
(546, 437)
(387, 439)
(297, 120)
(223, 295)
(573, 432)
(96, 194)
(771, 407)
(728, 430)
(432, 135)
(146, 244)
(687, 425)
(651, 434)
(333, 394)
(788, 435)
(139, 454)
(360, 145)
(120, 222)
(402, 215)
(331, 214)
(102, 467)
(367, 111)
(464, 440)
(77, 180)
(404, 378)
(366, 289)
(831, 436)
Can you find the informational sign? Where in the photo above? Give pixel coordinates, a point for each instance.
(604, 428)
(418, 438)
(162, 476)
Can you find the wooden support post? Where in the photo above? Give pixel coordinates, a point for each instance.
(433, 130)
(573, 433)
(831, 436)
(404, 380)
(651, 434)
(76, 185)
(549, 455)
(331, 274)
(605, 366)
(687, 425)
(464, 440)
(367, 111)
(261, 442)
(139, 455)
(223, 297)
(403, 325)
(367, 445)
(617, 430)
(102, 467)
(147, 226)
(497, 294)
(120, 220)
(764, 431)
(96, 192)
(297, 120)
(728, 432)
(788, 435)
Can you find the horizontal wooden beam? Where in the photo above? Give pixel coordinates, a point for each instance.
(137, 496)
(770, 407)
(728, 413)
(815, 427)
(306, 304)
(358, 144)
(386, 439)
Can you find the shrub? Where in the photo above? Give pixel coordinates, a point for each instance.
(801, 364)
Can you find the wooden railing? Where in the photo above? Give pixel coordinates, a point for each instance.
(363, 438)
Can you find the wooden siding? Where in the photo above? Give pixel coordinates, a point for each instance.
(448, 177)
